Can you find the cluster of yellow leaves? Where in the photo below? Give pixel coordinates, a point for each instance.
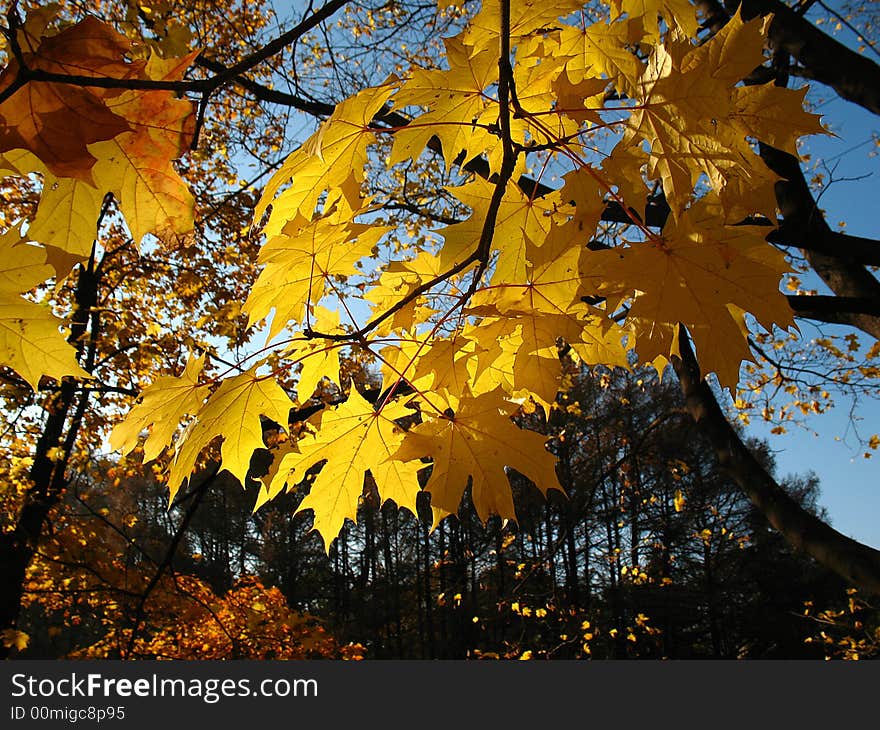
(14, 639)
(86, 583)
(850, 632)
(85, 142)
(250, 621)
(30, 340)
(466, 335)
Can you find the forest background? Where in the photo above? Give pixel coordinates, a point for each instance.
(654, 551)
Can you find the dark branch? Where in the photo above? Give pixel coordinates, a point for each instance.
(832, 308)
(264, 93)
(206, 87)
(198, 494)
(857, 563)
(803, 221)
(854, 77)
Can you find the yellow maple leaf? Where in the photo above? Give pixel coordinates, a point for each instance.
(685, 142)
(398, 359)
(681, 83)
(520, 220)
(31, 342)
(679, 14)
(352, 438)
(580, 101)
(137, 165)
(774, 115)
(477, 444)
(705, 275)
(733, 53)
(453, 100)
(446, 360)
(160, 408)
(749, 193)
(319, 357)
(67, 216)
(232, 412)
(396, 282)
(302, 262)
(600, 49)
(336, 153)
(601, 342)
(624, 170)
(536, 76)
(526, 17)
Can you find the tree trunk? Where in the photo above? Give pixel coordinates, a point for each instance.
(47, 476)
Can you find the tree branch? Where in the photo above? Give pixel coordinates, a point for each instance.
(857, 563)
(837, 310)
(854, 77)
(206, 87)
(264, 93)
(198, 494)
(842, 246)
(803, 221)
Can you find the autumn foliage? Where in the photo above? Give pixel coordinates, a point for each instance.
(403, 348)
(471, 327)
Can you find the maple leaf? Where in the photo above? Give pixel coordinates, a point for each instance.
(55, 121)
(232, 412)
(303, 261)
(623, 169)
(67, 217)
(733, 53)
(774, 115)
(445, 364)
(137, 166)
(455, 98)
(526, 17)
(520, 219)
(523, 355)
(398, 362)
(701, 273)
(31, 342)
(67, 214)
(533, 354)
(396, 282)
(749, 194)
(335, 153)
(353, 438)
(579, 101)
(131, 158)
(680, 83)
(551, 280)
(599, 49)
(538, 79)
(685, 143)
(677, 13)
(530, 318)
(319, 357)
(160, 408)
(477, 444)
